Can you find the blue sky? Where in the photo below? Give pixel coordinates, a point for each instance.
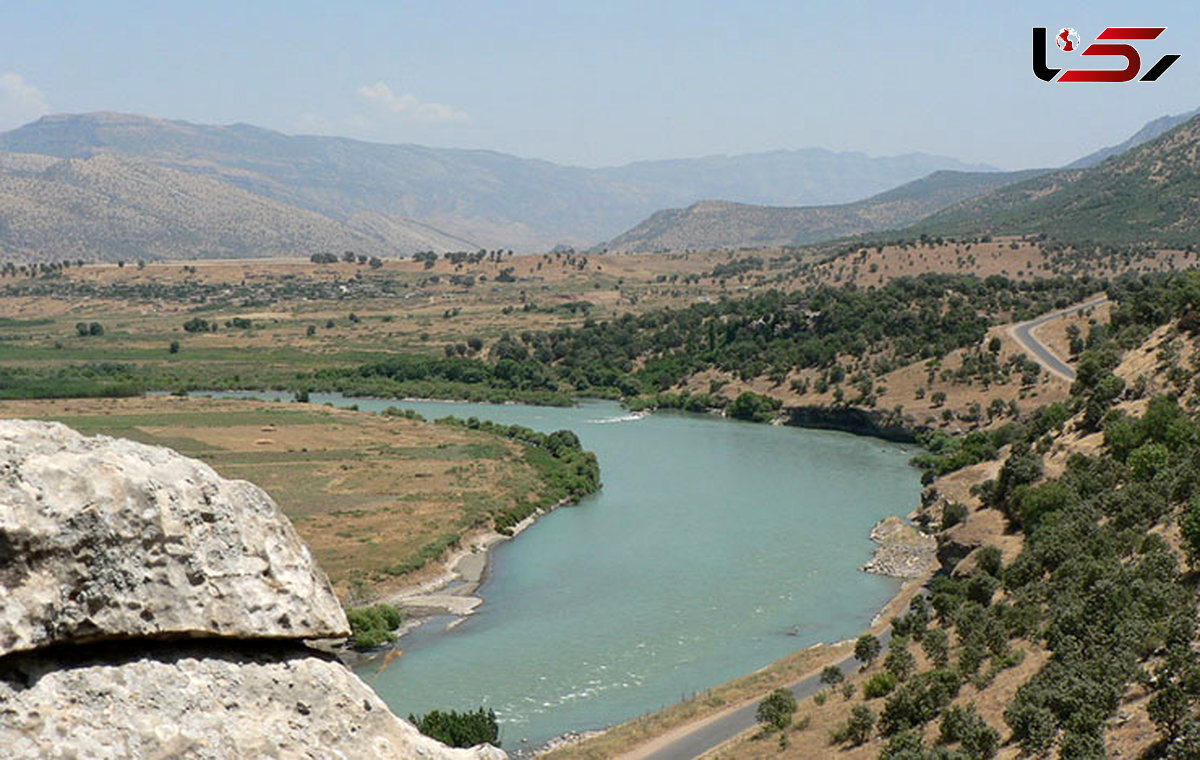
(603, 83)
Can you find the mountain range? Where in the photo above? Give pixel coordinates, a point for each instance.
(109, 186)
(961, 195)
(1148, 195)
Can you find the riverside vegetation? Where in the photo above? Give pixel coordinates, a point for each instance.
(1101, 648)
(1079, 637)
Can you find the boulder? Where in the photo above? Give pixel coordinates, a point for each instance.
(103, 538)
(202, 699)
(149, 608)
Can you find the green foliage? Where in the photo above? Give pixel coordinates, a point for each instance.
(832, 675)
(776, 709)
(857, 728)
(879, 685)
(567, 472)
(946, 453)
(936, 644)
(1190, 527)
(1110, 597)
(953, 514)
(918, 701)
(373, 626)
(899, 661)
(964, 725)
(456, 729)
(867, 649)
(91, 380)
(754, 407)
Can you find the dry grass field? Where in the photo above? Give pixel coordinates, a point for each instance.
(369, 494)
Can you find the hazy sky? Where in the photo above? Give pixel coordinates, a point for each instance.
(604, 82)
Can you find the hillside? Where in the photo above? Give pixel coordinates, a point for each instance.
(470, 198)
(1148, 196)
(721, 224)
(110, 207)
(1151, 130)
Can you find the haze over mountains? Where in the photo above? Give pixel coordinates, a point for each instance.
(115, 186)
(126, 186)
(1148, 195)
(715, 224)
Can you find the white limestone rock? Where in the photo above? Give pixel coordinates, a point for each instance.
(203, 700)
(103, 539)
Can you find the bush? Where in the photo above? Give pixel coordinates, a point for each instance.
(459, 729)
(879, 685)
(857, 729)
(832, 675)
(754, 407)
(776, 710)
(373, 626)
(952, 514)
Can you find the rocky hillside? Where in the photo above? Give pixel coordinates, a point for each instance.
(1149, 195)
(405, 197)
(719, 224)
(150, 608)
(110, 207)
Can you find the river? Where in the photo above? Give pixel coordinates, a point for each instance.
(714, 548)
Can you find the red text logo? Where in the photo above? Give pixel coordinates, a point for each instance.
(1113, 42)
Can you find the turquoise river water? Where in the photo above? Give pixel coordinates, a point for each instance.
(714, 548)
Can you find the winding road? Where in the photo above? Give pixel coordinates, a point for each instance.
(706, 735)
(1023, 334)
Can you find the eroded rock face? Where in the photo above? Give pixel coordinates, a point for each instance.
(103, 538)
(151, 609)
(201, 700)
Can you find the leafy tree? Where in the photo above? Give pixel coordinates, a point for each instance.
(936, 644)
(776, 709)
(832, 675)
(754, 407)
(857, 729)
(867, 649)
(899, 660)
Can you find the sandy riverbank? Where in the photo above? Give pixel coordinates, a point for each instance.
(452, 591)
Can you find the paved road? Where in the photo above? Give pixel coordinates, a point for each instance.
(1023, 335)
(716, 733)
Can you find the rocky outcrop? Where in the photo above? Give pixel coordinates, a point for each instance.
(197, 700)
(151, 608)
(103, 538)
(902, 551)
(851, 419)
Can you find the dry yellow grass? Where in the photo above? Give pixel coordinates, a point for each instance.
(366, 492)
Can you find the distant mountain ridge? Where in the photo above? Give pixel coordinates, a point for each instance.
(387, 198)
(1148, 132)
(717, 224)
(1148, 196)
